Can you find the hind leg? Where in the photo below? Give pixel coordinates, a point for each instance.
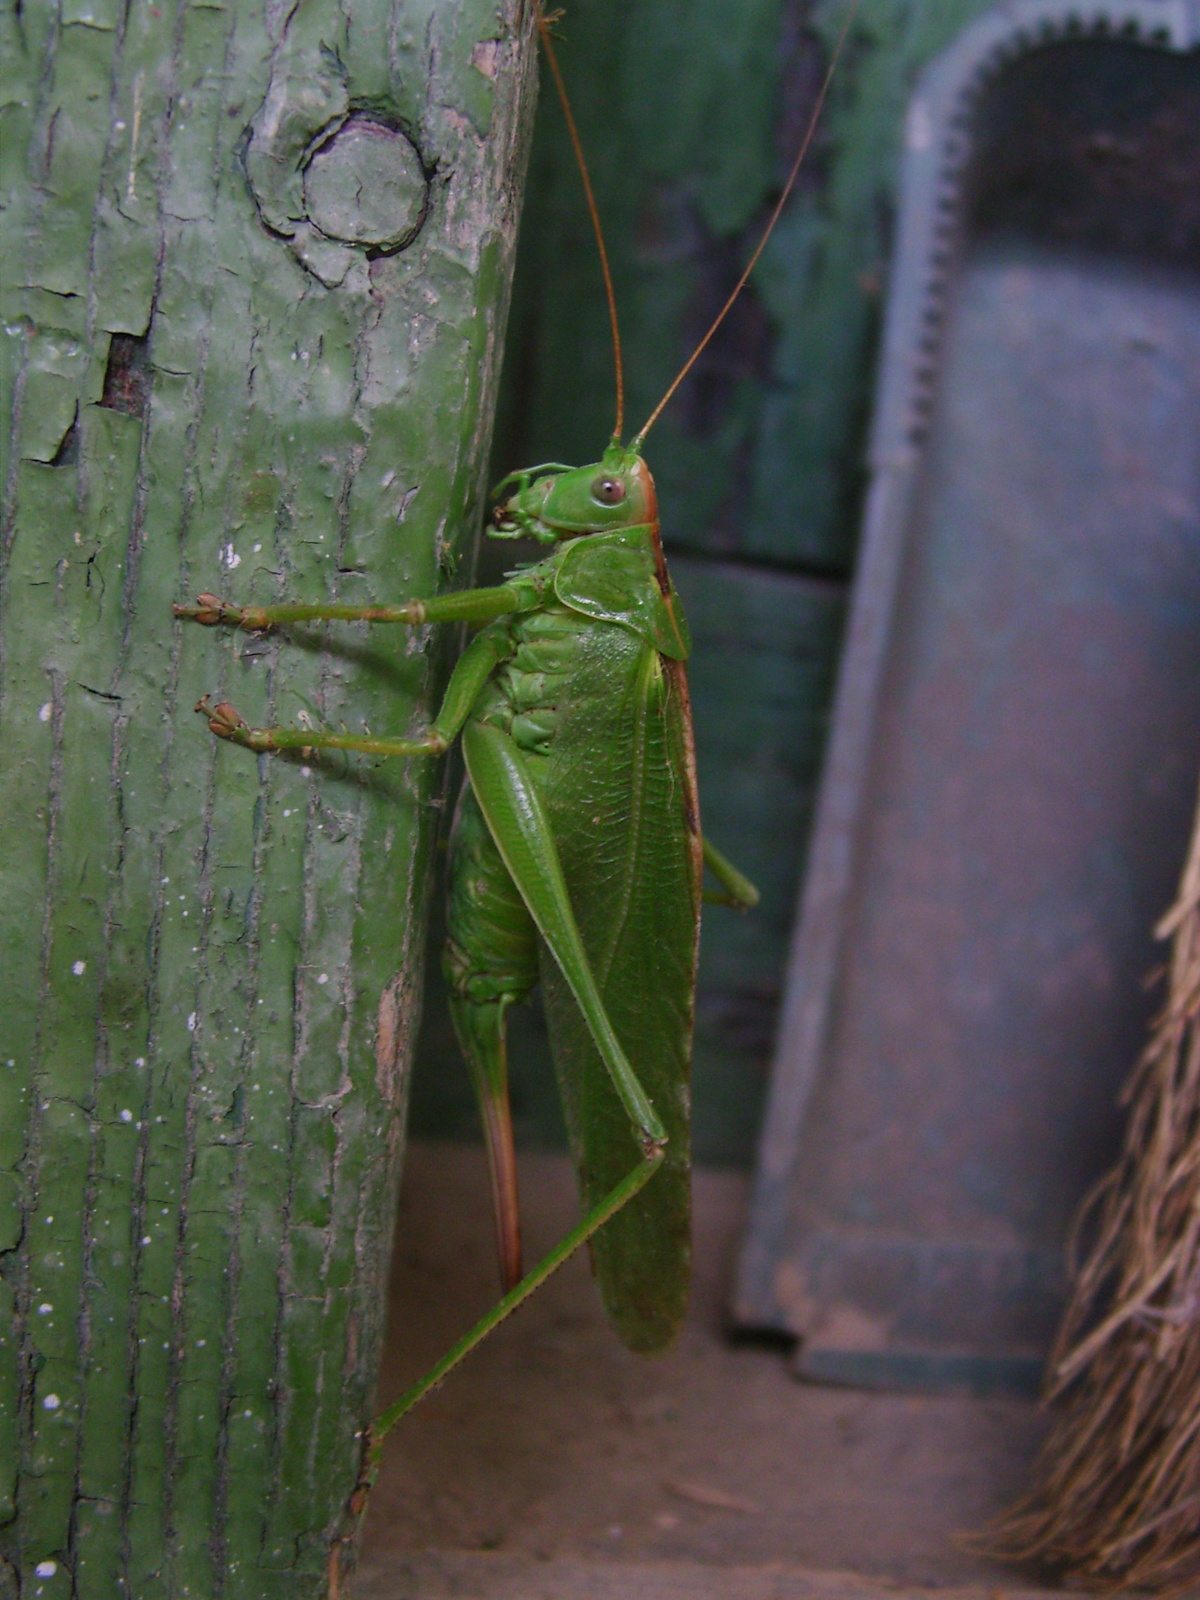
(490, 962)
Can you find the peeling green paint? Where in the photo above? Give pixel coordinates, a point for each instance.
(212, 964)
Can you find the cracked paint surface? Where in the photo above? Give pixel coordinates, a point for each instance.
(211, 963)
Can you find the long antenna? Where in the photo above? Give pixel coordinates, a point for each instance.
(544, 30)
(635, 444)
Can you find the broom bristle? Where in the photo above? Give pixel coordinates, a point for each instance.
(1117, 1486)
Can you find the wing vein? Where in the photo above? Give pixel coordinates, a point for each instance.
(637, 810)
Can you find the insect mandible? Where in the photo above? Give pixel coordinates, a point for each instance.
(576, 853)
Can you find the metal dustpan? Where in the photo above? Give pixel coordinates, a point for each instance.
(1016, 736)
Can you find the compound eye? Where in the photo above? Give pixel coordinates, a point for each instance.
(608, 491)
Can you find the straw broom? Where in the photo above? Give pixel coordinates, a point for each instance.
(1117, 1486)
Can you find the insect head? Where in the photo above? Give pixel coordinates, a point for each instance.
(554, 502)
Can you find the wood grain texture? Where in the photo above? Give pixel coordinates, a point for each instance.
(211, 963)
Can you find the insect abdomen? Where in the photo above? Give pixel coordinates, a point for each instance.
(525, 694)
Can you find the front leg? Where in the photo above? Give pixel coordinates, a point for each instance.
(465, 605)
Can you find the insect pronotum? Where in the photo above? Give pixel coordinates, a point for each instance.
(576, 854)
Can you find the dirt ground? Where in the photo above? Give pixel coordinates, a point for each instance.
(553, 1464)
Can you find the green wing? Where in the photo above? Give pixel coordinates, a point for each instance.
(620, 790)
(611, 576)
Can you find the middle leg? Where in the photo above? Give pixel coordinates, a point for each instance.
(475, 666)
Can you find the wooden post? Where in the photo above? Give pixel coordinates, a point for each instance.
(258, 262)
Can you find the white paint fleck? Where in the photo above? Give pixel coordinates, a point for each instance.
(131, 179)
(306, 772)
(46, 1569)
(200, 1343)
(145, 1238)
(191, 1022)
(51, 1402)
(126, 1114)
(388, 479)
(230, 557)
(324, 978)
(44, 712)
(79, 968)
(287, 813)
(45, 1309)
(140, 1061)
(257, 548)
(485, 57)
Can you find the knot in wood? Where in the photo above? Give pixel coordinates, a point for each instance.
(366, 186)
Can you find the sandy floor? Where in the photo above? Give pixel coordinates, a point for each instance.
(554, 1463)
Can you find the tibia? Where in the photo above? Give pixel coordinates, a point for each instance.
(482, 1034)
